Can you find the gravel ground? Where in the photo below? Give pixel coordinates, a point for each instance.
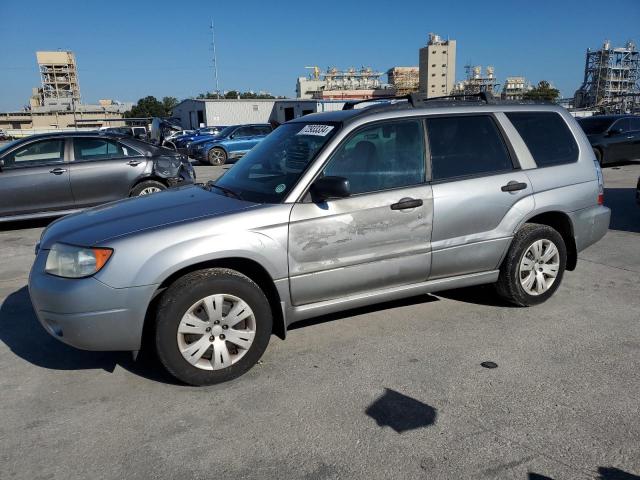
(391, 391)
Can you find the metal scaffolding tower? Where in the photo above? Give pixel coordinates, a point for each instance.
(59, 76)
(611, 79)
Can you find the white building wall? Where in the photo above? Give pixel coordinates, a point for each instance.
(234, 112)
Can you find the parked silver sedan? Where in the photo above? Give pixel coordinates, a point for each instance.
(56, 174)
(330, 212)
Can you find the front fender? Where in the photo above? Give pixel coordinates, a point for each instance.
(151, 257)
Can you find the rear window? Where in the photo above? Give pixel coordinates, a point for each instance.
(466, 145)
(547, 136)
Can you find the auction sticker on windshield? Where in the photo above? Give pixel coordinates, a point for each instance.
(317, 130)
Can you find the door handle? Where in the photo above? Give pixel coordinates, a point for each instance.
(513, 186)
(405, 203)
(133, 163)
(58, 171)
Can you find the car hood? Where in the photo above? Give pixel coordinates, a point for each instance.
(98, 225)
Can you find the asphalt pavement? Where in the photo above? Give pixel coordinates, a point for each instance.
(391, 391)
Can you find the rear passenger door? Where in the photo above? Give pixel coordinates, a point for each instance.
(35, 178)
(478, 189)
(103, 170)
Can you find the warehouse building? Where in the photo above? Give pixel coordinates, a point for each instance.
(196, 113)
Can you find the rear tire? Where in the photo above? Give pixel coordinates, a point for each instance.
(217, 156)
(196, 338)
(146, 188)
(533, 267)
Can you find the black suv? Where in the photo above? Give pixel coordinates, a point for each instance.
(614, 138)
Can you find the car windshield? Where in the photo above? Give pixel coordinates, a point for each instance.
(224, 132)
(271, 169)
(594, 125)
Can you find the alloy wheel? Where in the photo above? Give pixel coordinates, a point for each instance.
(149, 191)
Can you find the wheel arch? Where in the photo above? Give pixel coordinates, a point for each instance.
(561, 223)
(251, 268)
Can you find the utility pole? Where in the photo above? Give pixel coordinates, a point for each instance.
(215, 59)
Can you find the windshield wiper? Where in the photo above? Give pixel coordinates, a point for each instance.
(226, 190)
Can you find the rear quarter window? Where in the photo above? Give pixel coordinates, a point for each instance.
(547, 136)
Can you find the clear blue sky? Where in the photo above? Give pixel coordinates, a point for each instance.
(126, 50)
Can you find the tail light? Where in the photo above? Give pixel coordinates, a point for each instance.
(600, 183)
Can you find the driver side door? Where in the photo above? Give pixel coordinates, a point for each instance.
(379, 236)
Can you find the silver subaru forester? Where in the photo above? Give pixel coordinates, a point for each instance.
(331, 211)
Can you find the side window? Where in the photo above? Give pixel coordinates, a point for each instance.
(466, 145)
(547, 137)
(44, 152)
(635, 124)
(99, 149)
(243, 132)
(262, 130)
(380, 157)
(623, 125)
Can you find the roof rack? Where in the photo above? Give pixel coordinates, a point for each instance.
(420, 99)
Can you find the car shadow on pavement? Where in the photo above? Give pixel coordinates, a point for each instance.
(23, 334)
(604, 473)
(376, 307)
(400, 412)
(625, 212)
(478, 295)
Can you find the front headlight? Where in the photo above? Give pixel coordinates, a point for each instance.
(70, 261)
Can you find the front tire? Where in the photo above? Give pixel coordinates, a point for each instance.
(217, 156)
(212, 326)
(534, 266)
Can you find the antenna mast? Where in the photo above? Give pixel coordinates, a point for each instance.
(215, 60)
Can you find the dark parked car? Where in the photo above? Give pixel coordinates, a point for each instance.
(614, 138)
(638, 192)
(54, 174)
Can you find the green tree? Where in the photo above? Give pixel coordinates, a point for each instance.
(147, 107)
(169, 104)
(542, 91)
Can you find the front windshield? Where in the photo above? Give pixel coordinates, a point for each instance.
(593, 125)
(224, 132)
(271, 169)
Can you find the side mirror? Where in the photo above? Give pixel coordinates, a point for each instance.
(326, 188)
(614, 131)
(1, 163)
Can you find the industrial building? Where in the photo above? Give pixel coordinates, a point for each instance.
(56, 105)
(59, 79)
(195, 113)
(404, 80)
(335, 84)
(437, 66)
(611, 79)
(476, 82)
(515, 88)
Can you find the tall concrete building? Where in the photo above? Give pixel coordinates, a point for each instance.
(59, 76)
(437, 66)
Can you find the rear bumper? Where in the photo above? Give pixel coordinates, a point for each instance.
(590, 225)
(86, 313)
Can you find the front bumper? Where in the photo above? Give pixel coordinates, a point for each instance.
(590, 225)
(86, 313)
